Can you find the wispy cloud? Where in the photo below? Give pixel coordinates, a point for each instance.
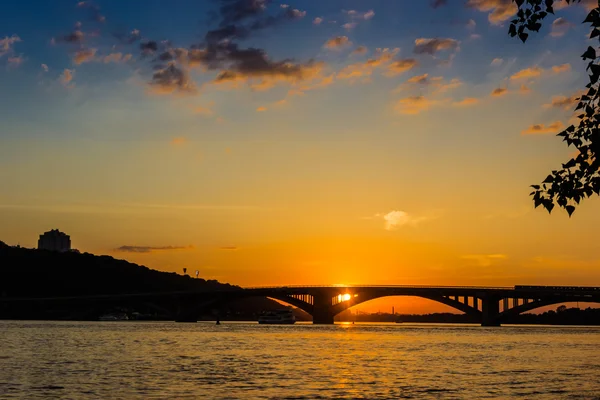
(150, 249)
(84, 55)
(527, 73)
(67, 76)
(413, 105)
(499, 92)
(397, 218)
(360, 50)
(540, 129)
(468, 101)
(501, 10)
(7, 44)
(564, 102)
(434, 45)
(560, 26)
(337, 42)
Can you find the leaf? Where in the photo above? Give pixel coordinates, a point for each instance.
(549, 205)
(523, 36)
(512, 31)
(589, 53)
(570, 210)
(549, 179)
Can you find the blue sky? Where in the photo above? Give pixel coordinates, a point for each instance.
(385, 122)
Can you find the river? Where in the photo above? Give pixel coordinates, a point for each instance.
(147, 360)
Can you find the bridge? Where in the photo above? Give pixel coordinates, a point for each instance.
(488, 305)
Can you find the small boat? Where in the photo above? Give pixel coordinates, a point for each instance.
(113, 317)
(283, 317)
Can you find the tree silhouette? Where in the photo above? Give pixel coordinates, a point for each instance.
(579, 177)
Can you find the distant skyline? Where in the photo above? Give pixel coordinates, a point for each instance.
(380, 142)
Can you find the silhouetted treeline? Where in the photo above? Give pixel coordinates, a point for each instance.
(563, 316)
(41, 273)
(32, 273)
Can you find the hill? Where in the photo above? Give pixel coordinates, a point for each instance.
(39, 273)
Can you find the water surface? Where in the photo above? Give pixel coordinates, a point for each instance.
(137, 360)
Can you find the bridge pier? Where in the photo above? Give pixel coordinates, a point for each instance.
(490, 311)
(322, 308)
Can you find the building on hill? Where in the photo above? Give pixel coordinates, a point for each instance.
(54, 240)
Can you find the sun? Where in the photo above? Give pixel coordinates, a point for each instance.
(344, 297)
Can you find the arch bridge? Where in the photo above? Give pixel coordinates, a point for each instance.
(489, 305)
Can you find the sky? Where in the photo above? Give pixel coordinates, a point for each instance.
(298, 142)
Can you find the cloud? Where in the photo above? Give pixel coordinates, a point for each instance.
(567, 103)
(369, 14)
(524, 89)
(45, 67)
(384, 58)
(150, 249)
(527, 73)
(540, 129)
(7, 44)
(496, 62)
(353, 14)
(203, 110)
(471, 24)
(560, 26)
(15, 61)
(178, 141)
(67, 76)
(485, 260)
(349, 25)
(438, 3)
(261, 109)
(172, 79)
(557, 69)
(501, 10)
(499, 92)
(413, 105)
(433, 45)
(467, 101)
(337, 42)
(420, 79)
(401, 66)
(360, 50)
(221, 52)
(396, 219)
(443, 87)
(76, 37)
(588, 5)
(84, 55)
(318, 21)
(116, 58)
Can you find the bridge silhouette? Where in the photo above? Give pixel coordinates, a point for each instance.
(489, 305)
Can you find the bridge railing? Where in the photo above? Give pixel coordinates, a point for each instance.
(380, 286)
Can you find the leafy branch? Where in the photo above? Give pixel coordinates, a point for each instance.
(579, 177)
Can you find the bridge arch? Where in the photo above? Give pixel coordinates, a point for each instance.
(365, 296)
(514, 311)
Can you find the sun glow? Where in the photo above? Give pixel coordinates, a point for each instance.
(344, 297)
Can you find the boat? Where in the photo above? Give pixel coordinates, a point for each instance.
(113, 317)
(277, 317)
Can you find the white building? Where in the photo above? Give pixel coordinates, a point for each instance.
(55, 240)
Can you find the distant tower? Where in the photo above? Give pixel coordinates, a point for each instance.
(54, 240)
